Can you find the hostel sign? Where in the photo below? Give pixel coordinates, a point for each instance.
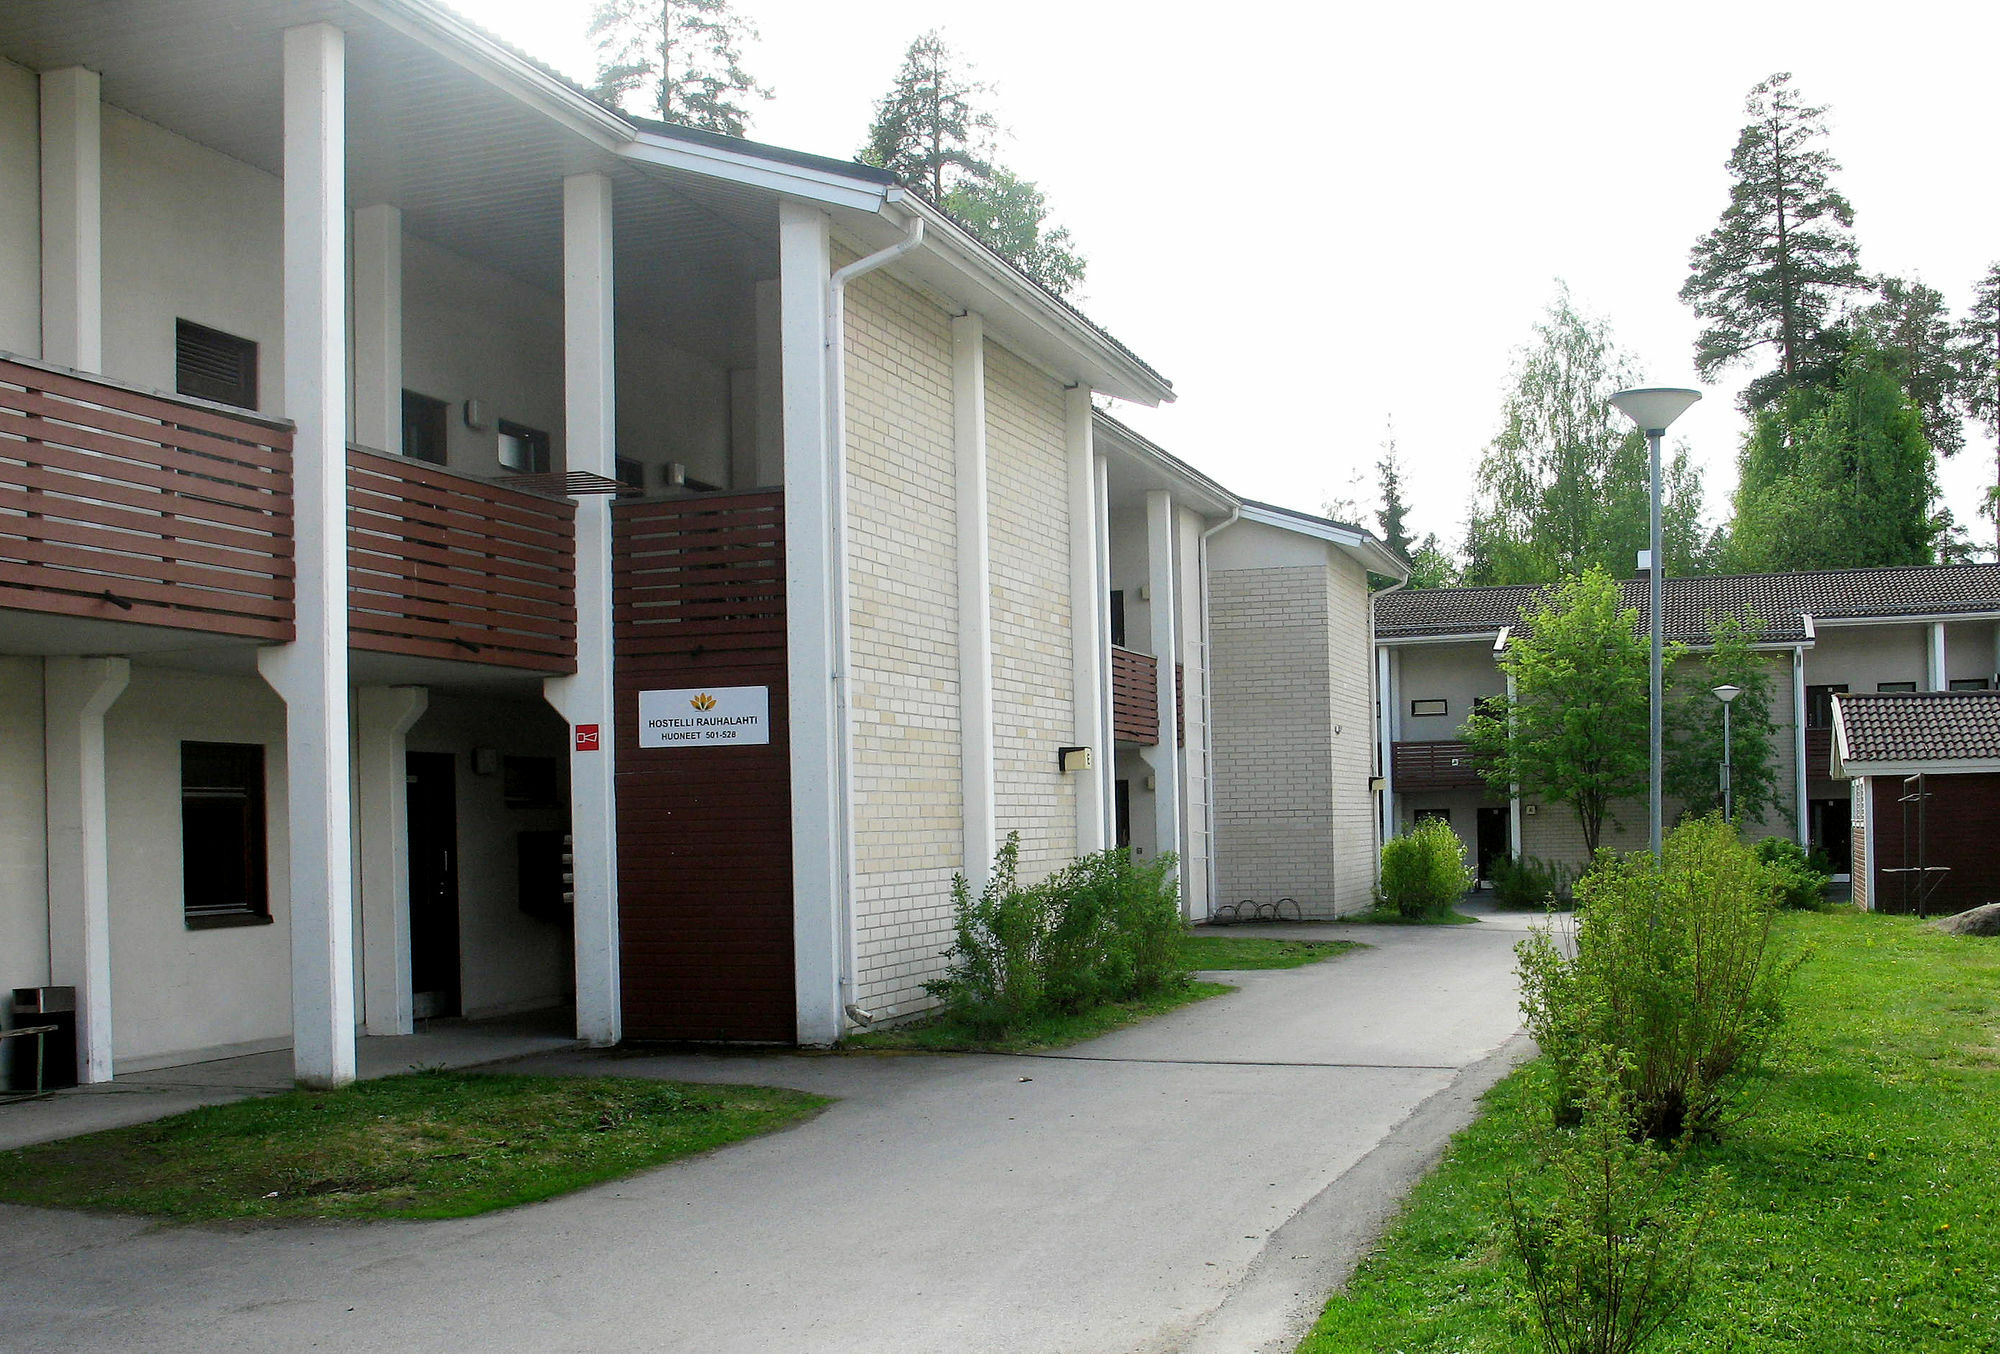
(705, 716)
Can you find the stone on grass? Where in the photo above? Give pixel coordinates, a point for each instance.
(1978, 921)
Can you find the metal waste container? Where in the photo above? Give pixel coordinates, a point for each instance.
(42, 1006)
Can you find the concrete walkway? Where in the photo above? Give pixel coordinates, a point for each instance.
(1196, 1183)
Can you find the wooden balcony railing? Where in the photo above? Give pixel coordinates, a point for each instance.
(1135, 696)
(119, 504)
(1435, 766)
(444, 566)
(1819, 753)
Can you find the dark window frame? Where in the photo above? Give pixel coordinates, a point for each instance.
(1118, 617)
(1442, 703)
(1969, 684)
(1896, 688)
(540, 458)
(1819, 704)
(225, 878)
(203, 359)
(426, 428)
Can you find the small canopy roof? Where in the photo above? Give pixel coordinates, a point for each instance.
(1901, 733)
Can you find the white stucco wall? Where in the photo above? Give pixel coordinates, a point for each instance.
(1864, 656)
(177, 992)
(24, 913)
(1458, 674)
(20, 212)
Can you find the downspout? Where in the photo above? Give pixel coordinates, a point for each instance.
(1208, 704)
(836, 378)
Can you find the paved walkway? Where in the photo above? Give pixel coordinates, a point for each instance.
(1196, 1183)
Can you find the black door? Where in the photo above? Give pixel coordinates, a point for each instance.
(1830, 827)
(1493, 841)
(433, 884)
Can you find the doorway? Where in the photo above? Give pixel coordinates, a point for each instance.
(1494, 841)
(433, 823)
(1830, 827)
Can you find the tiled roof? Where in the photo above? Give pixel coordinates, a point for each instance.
(1918, 727)
(1777, 601)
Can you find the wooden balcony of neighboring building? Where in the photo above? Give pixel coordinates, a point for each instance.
(1135, 697)
(441, 565)
(1819, 753)
(1435, 766)
(118, 504)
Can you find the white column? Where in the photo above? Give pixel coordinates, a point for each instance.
(975, 597)
(1935, 672)
(311, 674)
(1385, 811)
(1513, 792)
(805, 264)
(378, 328)
(75, 694)
(383, 717)
(1164, 755)
(1088, 678)
(590, 390)
(770, 458)
(1799, 745)
(72, 221)
(1107, 764)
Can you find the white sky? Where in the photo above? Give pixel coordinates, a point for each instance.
(1314, 219)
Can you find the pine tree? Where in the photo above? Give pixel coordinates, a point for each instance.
(1565, 485)
(678, 60)
(1770, 271)
(1979, 366)
(929, 129)
(1912, 327)
(1392, 518)
(1010, 215)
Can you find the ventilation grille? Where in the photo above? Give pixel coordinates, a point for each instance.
(212, 365)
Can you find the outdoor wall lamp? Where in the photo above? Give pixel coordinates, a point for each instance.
(1072, 759)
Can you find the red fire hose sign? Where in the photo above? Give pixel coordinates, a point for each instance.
(586, 738)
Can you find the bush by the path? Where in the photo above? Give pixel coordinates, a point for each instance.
(1424, 871)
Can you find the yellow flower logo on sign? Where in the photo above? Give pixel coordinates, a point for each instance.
(704, 701)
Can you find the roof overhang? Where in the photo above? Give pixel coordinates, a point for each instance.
(1358, 545)
(1152, 467)
(1902, 618)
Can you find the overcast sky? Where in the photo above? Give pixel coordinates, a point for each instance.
(1317, 219)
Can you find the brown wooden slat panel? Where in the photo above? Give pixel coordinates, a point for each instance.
(459, 525)
(276, 549)
(1135, 696)
(43, 421)
(704, 834)
(92, 605)
(249, 429)
(203, 486)
(450, 486)
(87, 562)
(275, 520)
(523, 578)
(1435, 766)
(44, 527)
(375, 575)
(1819, 753)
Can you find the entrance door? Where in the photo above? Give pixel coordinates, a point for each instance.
(433, 817)
(1493, 840)
(1830, 827)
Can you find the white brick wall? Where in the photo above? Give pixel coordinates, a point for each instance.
(1028, 498)
(902, 541)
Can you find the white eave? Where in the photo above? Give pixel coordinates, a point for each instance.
(1157, 466)
(1370, 553)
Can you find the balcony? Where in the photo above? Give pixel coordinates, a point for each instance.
(1135, 696)
(1435, 766)
(440, 565)
(1819, 753)
(119, 504)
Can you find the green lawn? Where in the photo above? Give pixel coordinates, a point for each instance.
(1861, 1214)
(427, 1145)
(941, 1035)
(1205, 953)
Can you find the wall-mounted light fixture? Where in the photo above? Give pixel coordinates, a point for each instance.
(1072, 759)
(485, 761)
(476, 416)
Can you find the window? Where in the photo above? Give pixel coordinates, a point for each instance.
(222, 835)
(1421, 708)
(1421, 816)
(524, 449)
(424, 424)
(1122, 814)
(630, 472)
(1970, 684)
(1118, 617)
(1819, 705)
(1895, 686)
(212, 365)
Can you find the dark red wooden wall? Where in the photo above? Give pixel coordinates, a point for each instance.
(704, 833)
(1961, 830)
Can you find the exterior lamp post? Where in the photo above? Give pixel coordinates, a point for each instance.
(1727, 693)
(1653, 409)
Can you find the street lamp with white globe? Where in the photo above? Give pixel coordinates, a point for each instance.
(1727, 693)
(1654, 408)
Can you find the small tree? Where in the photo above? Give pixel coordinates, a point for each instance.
(1692, 773)
(1979, 369)
(1575, 731)
(677, 60)
(1424, 871)
(1011, 215)
(929, 129)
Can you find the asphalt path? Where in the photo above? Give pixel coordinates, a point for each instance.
(1196, 1183)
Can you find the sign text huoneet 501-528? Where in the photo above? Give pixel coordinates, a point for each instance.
(711, 716)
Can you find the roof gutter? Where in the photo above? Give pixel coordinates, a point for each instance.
(836, 378)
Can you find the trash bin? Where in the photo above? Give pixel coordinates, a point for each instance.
(43, 1006)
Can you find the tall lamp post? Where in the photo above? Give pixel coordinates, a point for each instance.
(1727, 693)
(1654, 408)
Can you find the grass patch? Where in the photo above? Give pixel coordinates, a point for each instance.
(942, 1034)
(1859, 1213)
(426, 1145)
(1205, 952)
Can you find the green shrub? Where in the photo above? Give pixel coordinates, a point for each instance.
(1101, 929)
(1801, 881)
(1531, 884)
(1670, 968)
(1607, 1238)
(1424, 871)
